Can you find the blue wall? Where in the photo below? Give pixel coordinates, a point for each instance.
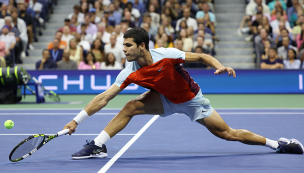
(247, 81)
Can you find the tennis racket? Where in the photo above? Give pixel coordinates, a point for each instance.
(32, 91)
(51, 94)
(31, 144)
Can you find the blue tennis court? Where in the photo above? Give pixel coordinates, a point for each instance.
(153, 144)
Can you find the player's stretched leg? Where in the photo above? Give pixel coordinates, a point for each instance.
(217, 126)
(147, 103)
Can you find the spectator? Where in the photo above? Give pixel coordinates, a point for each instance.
(265, 24)
(62, 43)
(80, 16)
(66, 36)
(114, 15)
(275, 23)
(292, 10)
(82, 43)
(300, 37)
(146, 26)
(208, 38)
(75, 52)
(251, 7)
(8, 38)
(298, 27)
(66, 63)
(94, 19)
(56, 53)
(200, 43)
(167, 41)
(84, 8)
(37, 8)
(46, 62)
(21, 26)
(154, 17)
(3, 12)
(97, 48)
(273, 3)
(27, 18)
(84, 35)
(264, 54)
(283, 50)
(188, 42)
(74, 21)
(178, 44)
(190, 21)
(15, 32)
(205, 10)
(91, 28)
(169, 30)
(153, 28)
(260, 8)
(110, 63)
(292, 62)
(2, 54)
(272, 61)
(128, 19)
(89, 63)
(259, 42)
(67, 22)
(139, 6)
(99, 8)
(168, 12)
(257, 22)
(116, 49)
(119, 34)
(284, 32)
(278, 9)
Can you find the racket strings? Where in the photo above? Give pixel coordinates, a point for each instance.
(27, 147)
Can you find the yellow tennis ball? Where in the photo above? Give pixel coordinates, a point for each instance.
(9, 124)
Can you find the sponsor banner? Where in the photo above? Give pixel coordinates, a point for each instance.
(246, 82)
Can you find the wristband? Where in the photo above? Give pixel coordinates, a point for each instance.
(81, 117)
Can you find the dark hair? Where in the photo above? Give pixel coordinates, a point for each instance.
(183, 21)
(101, 47)
(58, 31)
(273, 48)
(294, 52)
(139, 36)
(302, 32)
(199, 47)
(85, 59)
(76, 7)
(107, 59)
(44, 50)
(285, 30)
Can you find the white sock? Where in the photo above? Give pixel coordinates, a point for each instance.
(271, 144)
(102, 138)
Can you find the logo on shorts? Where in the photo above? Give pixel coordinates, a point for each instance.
(160, 68)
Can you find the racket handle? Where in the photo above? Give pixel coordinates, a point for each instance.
(63, 132)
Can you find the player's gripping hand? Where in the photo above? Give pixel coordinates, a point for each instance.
(228, 70)
(72, 125)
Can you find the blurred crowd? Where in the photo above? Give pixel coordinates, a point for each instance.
(92, 36)
(276, 28)
(20, 23)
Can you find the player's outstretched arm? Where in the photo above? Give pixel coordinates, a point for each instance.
(209, 60)
(94, 106)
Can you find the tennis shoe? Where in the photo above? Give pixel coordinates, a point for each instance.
(91, 150)
(289, 146)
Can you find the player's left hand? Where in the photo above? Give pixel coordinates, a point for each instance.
(228, 70)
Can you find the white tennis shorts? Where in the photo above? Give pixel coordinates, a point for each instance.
(197, 108)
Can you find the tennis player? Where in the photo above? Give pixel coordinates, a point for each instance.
(172, 90)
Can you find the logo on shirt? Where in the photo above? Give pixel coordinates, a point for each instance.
(160, 68)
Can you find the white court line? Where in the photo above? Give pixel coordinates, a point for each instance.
(124, 149)
(222, 113)
(121, 108)
(72, 134)
(53, 113)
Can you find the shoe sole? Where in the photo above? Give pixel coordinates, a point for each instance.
(103, 155)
